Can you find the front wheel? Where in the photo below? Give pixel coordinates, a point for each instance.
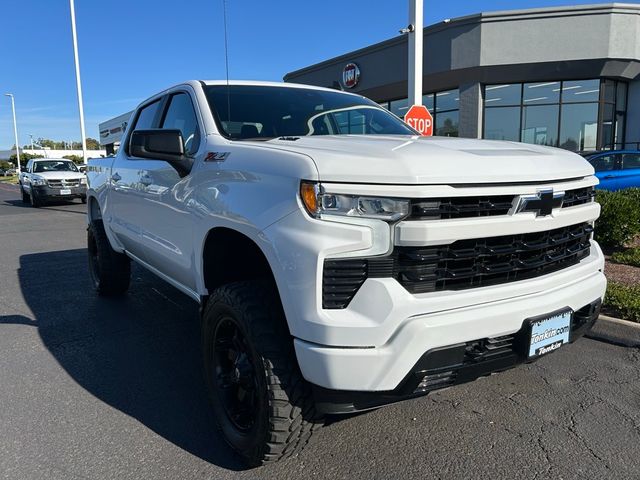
(25, 196)
(35, 199)
(262, 404)
(110, 271)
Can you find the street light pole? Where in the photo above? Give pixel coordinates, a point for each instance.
(15, 129)
(31, 137)
(78, 83)
(416, 34)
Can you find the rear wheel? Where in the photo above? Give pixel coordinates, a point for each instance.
(262, 404)
(110, 271)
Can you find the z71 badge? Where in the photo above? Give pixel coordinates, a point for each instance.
(216, 156)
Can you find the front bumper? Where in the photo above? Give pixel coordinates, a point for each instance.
(45, 192)
(452, 365)
(383, 368)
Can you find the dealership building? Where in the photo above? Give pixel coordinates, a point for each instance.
(566, 77)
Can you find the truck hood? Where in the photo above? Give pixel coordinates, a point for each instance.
(59, 175)
(398, 159)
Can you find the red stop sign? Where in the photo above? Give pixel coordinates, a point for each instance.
(420, 119)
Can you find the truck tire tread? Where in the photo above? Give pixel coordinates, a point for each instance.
(292, 417)
(113, 273)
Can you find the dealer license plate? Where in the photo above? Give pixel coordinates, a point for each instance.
(65, 191)
(549, 333)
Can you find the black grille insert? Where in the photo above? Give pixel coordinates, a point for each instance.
(463, 264)
(482, 206)
(580, 196)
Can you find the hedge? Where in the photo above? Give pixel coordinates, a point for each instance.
(630, 256)
(619, 221)
(623, 300)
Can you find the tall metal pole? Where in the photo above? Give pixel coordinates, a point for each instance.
(416, 34)
(78, 83)
(15, 130)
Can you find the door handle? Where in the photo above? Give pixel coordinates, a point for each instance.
(115, 177)
(146, 180)
(607, 177)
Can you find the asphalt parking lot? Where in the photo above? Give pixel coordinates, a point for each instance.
(100, 389)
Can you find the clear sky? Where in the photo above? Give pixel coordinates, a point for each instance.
(130, 49)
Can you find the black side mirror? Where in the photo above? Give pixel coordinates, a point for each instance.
(161, 144)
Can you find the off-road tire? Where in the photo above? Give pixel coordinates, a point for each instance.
(25, 195)
(285, 414)
(110, 271)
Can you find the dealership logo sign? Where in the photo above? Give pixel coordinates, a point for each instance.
(350, 75)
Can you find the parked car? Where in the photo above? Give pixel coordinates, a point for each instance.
(342, 261)
(616, 169)
(46, 179)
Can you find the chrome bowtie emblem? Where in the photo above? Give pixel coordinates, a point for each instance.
(542, 203)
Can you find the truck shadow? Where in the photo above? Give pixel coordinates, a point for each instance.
(140, 354)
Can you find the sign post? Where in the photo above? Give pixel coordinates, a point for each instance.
(415, 52)
(420, 119)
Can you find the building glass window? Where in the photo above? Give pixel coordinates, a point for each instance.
(446, 124)
(581, 91)
(541, 93)
(579, 126)
(540, 125)
(447, 100)
(442, 105)
(502, 123)
(428, 101)
(578, 115)
(399, 107)
(500, 95)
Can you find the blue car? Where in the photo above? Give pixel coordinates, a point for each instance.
(616, 169)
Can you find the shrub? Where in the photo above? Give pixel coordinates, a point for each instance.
(630, 256)
(74, 158)
(619, 222)
(624, 300)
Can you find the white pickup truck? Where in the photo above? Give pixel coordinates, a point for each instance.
(45, 179)
(342, 262)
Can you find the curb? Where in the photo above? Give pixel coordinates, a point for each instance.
(616, 331)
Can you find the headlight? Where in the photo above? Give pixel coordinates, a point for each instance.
(318, 202)
(38, 181)
(83, 181)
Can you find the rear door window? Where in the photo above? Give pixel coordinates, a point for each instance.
(631, 161)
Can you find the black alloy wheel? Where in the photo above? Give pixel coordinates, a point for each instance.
(235, 375)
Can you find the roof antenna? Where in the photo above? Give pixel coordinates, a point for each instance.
(226, 62)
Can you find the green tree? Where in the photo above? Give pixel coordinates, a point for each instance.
(74, 158)
(93, 144)
(24, 158)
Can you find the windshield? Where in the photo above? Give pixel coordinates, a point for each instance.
(55, 166)
(264, 112)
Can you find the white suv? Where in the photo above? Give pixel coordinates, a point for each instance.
(342, 261)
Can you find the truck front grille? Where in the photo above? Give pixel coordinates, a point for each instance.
(482, 206)
(63, 183)
(462, 265)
